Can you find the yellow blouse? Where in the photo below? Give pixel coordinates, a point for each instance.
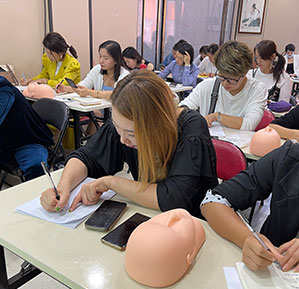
(70, 68)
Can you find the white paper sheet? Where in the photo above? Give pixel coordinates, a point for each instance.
(232, 278)
(216, 129)
(69, 219)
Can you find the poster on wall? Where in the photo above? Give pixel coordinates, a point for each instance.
(252, 16)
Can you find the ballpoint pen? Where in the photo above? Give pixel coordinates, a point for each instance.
(47, 172)
(23, 75)
(59, 83)
(256, 235)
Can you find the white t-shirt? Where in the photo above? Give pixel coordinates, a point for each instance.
(284, 83)
(94, 78)
(207, 66)
(248, 103)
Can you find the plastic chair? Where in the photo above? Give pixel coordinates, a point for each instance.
(55, 113)
(230, 159)
(266, 120)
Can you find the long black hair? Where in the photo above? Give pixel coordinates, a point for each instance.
(56, 43)
(113, 48)
(266, 48)
(132, 53)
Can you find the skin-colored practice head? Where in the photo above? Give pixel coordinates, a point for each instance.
(38, 90)
(160, 251)
(264, 141)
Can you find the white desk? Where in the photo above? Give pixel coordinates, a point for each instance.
(180, 88)
(78, 259)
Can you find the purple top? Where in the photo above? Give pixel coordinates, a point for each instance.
(185, 75)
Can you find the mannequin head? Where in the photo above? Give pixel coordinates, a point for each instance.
(160, 251)
(36, 90)
(264, 141)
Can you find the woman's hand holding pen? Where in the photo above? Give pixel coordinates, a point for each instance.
(290, 252)
(63, 88)
(90, 193)
(25, 82)
(255, 256)
(49, 201)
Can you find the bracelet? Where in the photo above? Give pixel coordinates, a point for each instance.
(219, 117)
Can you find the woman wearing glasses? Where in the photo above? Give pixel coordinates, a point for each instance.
(168, 150)
(241, 101)
(57, 63)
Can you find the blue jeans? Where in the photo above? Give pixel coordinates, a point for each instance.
(28, 158)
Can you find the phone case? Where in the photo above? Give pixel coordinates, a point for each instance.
(105, 216)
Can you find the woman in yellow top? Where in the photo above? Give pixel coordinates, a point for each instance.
(57, 63)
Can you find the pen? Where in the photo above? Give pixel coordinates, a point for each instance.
(256, 235)
(59, 83)
(47, 173)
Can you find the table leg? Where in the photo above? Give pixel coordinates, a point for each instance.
(3, 272)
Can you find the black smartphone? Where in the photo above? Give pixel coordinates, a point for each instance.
(119, 237)
(71, 82)
(105, 216)
(172, 84)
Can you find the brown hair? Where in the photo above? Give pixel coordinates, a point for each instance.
(145, 99)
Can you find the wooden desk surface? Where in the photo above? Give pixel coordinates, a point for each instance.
(77, 258)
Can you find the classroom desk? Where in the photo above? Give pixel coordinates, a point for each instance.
(229, 132)
(180, 88)
(77, 258)
(295, 87)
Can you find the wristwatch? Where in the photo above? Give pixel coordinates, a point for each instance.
(219, 116)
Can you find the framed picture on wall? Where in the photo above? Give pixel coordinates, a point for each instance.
(252, 16)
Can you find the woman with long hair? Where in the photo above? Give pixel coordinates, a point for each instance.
(133, 60)
(168, 150)
(102, 78)
(57, 62)
(271, 70)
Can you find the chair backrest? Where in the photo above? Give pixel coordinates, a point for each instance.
(266, 120)
(55, 113)
(230, 159)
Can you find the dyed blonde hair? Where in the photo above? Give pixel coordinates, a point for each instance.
(145, 99)
(234, 58)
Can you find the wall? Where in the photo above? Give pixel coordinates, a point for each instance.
(24, 22)
(280, 25)
(21, 34)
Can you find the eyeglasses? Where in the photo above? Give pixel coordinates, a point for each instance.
(229, 80)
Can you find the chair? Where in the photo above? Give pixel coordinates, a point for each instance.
(54, 113)
(266, 120)
(230, 159)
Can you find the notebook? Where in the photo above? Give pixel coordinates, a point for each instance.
(272, 277)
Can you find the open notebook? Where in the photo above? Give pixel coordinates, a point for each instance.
(272, 278)
(69, 219)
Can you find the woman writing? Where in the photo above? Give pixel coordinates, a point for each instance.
(57, 63)
(133, 60)
(102, 78)
(168, 150)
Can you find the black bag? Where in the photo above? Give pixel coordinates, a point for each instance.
(273, 92)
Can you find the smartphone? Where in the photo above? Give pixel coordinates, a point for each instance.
(172, 84)
(105, 216)
(119, 237)
(71, 82)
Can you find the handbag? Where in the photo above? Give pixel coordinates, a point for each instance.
(6, 72)
(273, 92)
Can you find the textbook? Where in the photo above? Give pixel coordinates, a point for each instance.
(272, 277)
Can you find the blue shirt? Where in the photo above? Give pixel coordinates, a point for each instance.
(185, 75)
(168, 59)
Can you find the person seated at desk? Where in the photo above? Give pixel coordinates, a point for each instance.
(276, 173)
(133, 59)
(288, 125)
(182, 68)
(24, 135)
(57, 63)
(102, 78)
(292, 60)
(271, 71)
(207, 66)
(168, 149)
(241, 100)
(171, 56)
(203, 52)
